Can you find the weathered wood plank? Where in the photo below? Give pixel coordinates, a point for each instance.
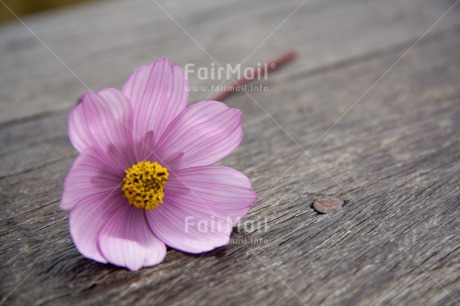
(394, 158)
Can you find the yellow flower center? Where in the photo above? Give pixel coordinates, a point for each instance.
(143, 184)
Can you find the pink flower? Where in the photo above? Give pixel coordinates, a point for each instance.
(144, 179)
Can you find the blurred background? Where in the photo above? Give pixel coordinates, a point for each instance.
(25, 7)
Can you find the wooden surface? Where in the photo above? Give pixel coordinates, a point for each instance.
(379, 121)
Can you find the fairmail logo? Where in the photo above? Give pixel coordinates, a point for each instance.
(229, 71)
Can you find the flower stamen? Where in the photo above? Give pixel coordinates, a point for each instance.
(143, 184)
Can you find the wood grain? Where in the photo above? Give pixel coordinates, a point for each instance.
(394, 158)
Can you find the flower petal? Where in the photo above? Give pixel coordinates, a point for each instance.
(188, 229)
(158, 93)
(93, 174)
(126, 240)
(143, 149)
(100, 119)
(205, 133)
(92, 191)
(201, 205)
(226, 191)
(87, 220)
